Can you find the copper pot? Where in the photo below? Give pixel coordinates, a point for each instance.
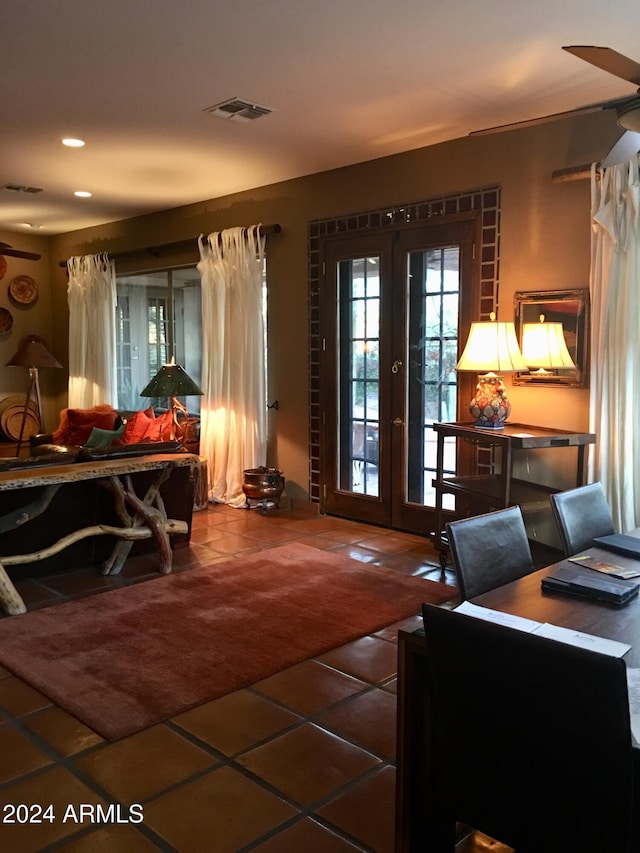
(263, 484)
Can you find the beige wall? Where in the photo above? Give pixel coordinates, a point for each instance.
(544, 245)
(36, 318)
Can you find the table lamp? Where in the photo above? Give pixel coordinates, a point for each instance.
(544, 347)
(172, 381)
(32, 354)
(491, 347)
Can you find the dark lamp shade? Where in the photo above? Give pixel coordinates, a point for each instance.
(171, 381)
(32, 352)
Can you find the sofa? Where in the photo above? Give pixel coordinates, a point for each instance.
(105, 427)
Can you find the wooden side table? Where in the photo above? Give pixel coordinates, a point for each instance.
(499, 490)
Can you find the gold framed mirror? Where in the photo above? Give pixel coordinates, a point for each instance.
(571, 309)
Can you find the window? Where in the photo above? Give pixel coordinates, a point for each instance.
(158, 317)
(433, 290)
(359, 373)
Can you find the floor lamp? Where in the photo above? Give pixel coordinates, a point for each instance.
(32, 354)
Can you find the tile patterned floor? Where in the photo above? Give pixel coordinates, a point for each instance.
(301, 761)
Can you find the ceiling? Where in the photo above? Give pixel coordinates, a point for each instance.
(347, 80)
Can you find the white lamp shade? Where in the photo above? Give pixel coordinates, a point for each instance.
(544, 345)
(492, 347)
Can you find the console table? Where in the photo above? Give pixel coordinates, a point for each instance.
(497, 491)
(140, 516)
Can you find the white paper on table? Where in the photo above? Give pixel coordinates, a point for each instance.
(633, 684)
(584, 641)
(553, 632)
(506, 619)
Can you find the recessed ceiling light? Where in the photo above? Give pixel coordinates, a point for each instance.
(73, 143)
(83, 194)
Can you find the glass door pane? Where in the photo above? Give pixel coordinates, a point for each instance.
(433, 296)
(358, 375)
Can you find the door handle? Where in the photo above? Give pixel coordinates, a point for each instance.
(395, 367)
(397, 422)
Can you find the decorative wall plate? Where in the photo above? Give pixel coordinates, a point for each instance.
(3, 266)
(6, 320)
(11, 414)
(23, 289)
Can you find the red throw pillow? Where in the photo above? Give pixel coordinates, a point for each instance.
(60, 434)
(82, 421)
(141, 427)
(138, 426)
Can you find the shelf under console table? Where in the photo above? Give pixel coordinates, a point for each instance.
(498, 490)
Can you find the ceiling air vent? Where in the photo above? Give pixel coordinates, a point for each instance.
(238, 110)
(19, 188)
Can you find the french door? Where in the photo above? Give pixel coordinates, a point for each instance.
(395, 306)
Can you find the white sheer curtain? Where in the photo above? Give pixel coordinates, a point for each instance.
(615, 338)
(91, 294)
(233, 413)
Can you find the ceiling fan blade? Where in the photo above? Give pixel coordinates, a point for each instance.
(531, 122)
(609, 60)
(9, 252)
(625, 148)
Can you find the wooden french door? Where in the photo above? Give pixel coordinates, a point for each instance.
(395, 306)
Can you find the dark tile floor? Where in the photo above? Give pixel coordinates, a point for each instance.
(301, 761)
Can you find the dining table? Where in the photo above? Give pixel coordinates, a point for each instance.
(524, 598)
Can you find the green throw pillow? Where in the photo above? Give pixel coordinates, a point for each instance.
(103, 437)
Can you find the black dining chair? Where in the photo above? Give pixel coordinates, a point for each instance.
(581, 514)
(527, 740)
(489, 550)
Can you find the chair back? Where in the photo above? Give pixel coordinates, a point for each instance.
(581, 514)
(489, 550)
(531, 740)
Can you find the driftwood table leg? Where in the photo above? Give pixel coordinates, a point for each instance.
(120, 552)
(10, 599)
(155, 520)
(32, 510)
(149, 511)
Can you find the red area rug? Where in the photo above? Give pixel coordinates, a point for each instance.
(123, 660)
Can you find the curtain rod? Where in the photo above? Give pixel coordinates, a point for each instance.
(168, 248)
(573, 173)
